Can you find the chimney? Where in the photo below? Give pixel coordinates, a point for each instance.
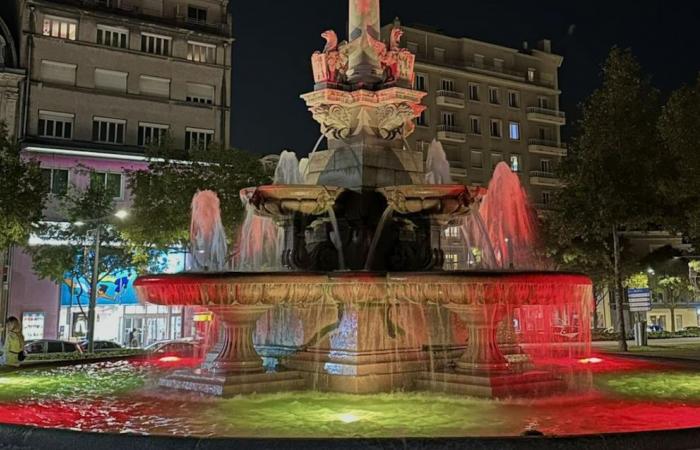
(545, 45)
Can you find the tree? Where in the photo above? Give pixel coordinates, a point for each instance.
(679, 127)
(162, 194)
(611, 176)
(70, 258)
(22, 193)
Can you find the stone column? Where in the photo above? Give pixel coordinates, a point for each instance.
(236, 353)
(364, 16)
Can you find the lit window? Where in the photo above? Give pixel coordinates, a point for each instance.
(111, 182)
(515, 164)
(155, 44)
(531, 75)
(60, 27)
(56, 125)
(452, 232)
(108, 131)
(152, 134)
(203, 53)
(56, 180)
(451, 261)
(112, 37)
(514, 128)
(196, 139)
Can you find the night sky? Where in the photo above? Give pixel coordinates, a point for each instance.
(275, 39)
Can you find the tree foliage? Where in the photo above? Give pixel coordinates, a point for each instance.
(162, 194)
(22, 193)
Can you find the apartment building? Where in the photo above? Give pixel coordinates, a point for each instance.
(107, 78)
(487, 104)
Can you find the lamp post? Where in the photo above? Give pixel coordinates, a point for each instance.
(94, 276)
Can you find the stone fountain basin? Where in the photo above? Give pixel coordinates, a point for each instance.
(434, 199)
(280, 200)
(450, 289)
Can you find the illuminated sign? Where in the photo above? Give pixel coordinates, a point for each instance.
(33, 325)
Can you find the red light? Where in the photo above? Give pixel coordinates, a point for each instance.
(590, 361)
(169, 359)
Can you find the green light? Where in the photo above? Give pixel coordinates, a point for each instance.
(348, 418)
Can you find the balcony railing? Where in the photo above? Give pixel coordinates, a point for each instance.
(546, 143)
(542, 174)
(450, 129)
(547, 112)
(451, 94)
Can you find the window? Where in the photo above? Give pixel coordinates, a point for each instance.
(531, 75)
(421, 82)
(514, 131)
(475, 125)
(196, 139)
(546, 165)
(477, 159)
(60, 27)
(515, 164)
(153, 43)
(451, 261)
(514, 99)
(542, 133)
(112, 182)
(496, 158)
(154, 86)
(422, 120)
(453, 232)
(152, 134)
(196, 15)
(110, 80)
(546, 197)
(112, 37)
(439, 54)
(493, 96)
(203, 53)
(57, 72)
(448, 119)
(543, 102)
(109, 131)
(200, 93)
(496, 128)
(56, 125)
(474, 92)
(447, 85)
(56, 180)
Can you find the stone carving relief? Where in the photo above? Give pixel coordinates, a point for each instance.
(335, 120)
(331, 65)
(395, 120)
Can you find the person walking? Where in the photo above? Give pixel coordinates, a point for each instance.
(13, 348)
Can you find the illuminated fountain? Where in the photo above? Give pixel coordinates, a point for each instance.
(359, 301)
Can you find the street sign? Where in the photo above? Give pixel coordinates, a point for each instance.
(639, 299)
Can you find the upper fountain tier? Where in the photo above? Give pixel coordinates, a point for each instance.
(364, 101)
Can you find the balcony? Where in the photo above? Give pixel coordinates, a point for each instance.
(545, 147)
(450, 133)
(546, 179)
(548, 116)
(450, 98)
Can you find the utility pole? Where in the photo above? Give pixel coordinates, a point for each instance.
(93, 290)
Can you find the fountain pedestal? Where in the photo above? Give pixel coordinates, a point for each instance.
(236, 368)
(483, 370)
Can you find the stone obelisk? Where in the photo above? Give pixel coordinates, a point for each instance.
(364, 66)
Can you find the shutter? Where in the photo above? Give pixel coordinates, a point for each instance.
(158, 87)
(110, 80)
(200, 91)
(58, 72)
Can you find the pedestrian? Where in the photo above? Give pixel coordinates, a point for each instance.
(13, 348)
(134, 338)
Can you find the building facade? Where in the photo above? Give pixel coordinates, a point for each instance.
(487, 104)
(106, 79)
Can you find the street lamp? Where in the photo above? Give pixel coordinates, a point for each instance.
(121, 214)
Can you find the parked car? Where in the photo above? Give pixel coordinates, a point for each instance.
(45, 346)
(179, 349)
(101, 346)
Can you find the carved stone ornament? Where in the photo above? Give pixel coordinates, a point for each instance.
(334, 119)
(393, 118)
